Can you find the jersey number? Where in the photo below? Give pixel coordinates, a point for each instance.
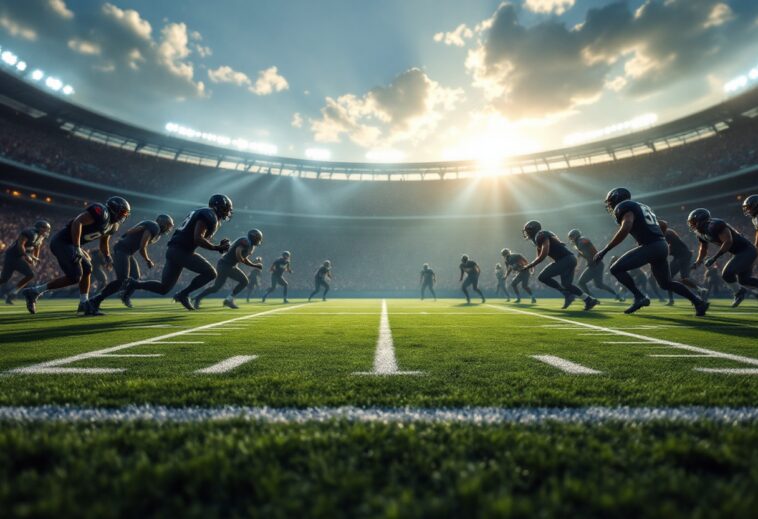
(649, 215)
(185, 222)
(92, 236)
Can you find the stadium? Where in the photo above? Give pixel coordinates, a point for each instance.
(386, 376)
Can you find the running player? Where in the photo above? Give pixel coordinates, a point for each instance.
(278, 269)
(500, 277)
(472, 271)
(594, 271)
(227, 268)
(517, 262)
(428, 280)
(320, 280)
(639, 220)
(21, 256)
(254, 277)
(737, 272)
(97, 222)
(136, 239)
(681, 261)
(195, 231)
(750, 209)
(564, 264)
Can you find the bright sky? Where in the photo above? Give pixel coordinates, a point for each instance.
(411, 80)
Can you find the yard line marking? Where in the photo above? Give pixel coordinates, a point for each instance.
(118, 355)
(385, 362)
(228, 364)
(179, 342)
(625, 342)
(729, 371)
(649, 340)
(476, 416)
(147, 326)
(52, 366)
(565, 365)
(683, 355)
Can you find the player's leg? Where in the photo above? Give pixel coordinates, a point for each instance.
(423, 290)
(662, 275)
(21, 266)
(205, 274)
(475, 287)
(514, 285)
(285, 288)
(585, 278)
(170, 275)
(100, 277)
(431, 289)
(274, 283)
(122, 268)
(526, 276)
(548, 273)
(464, 287)
(326, 286)
(317, 287)
(597, 279)
(738, 275)
(242, 281)
(568, 266)
(633, 259)
(224, 272)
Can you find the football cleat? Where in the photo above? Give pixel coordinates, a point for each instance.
(590, 303)
(196, 303)
(638, 303)
(568, 299)
(127, 302)
(92, 310)
(31, 297)
(701, 308)
(739, 297)
(9, 298)
(670, 302)
(230, 304)
(184, 299)
(128, 288)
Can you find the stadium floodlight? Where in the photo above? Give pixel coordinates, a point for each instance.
(68, 90)
(21, 66)
(637, 123)
(53, 83)
(9, 58)
(37, 75)
(385, 155)
(318, 154)
(221, 140)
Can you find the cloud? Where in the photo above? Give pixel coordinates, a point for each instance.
(549, 6)
(297, 120)
(549, 68)
(15, 29)
(83, 46)
(456, 37)
(407, 109)
(268, 82)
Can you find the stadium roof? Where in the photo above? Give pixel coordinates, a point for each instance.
(86, 124)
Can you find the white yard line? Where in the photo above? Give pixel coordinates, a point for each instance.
(228, 364)
(385, 362)
(566, 365)
(729, 371)
(476, 416)
(645, 338)
(54, 366)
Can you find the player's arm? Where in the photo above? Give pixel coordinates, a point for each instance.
(726, 243)
(702, 252)
(461, 279)
(434, 279)
(756, 238)
(542, 253)
(105, 249)
(627, 221)
(146, 237)
(76, 232)
(201, 241)
(242, 258)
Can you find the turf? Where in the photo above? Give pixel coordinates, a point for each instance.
(307, 355)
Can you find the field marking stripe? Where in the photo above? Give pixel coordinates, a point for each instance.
(566, 365)
(649, 340)
(385, 362)
(228, 364)
(729, 371)
(477, 416)
(44, 367)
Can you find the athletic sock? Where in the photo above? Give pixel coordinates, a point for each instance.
(83, 298)
(735, 287)
(40, 289)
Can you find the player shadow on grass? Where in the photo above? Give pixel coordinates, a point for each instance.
(706, 325)
(575, 312)
(76, 327)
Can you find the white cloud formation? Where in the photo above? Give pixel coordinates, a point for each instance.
(456, 37)
(297, 120)
(59, 6)
(549, 6)
(268, 82)
(15, 29)
(407, 109)
(83, 46)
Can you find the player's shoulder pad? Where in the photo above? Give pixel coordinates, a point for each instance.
(99, 212)
(623, 208)
(152, 227)
(716, 226)
(541, 236)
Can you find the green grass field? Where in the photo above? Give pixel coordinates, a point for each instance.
(429, 357)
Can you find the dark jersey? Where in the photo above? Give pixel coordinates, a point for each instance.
(469, 267)
(586, 248)
(716, 227)
(558, 249)
(427, 276)
(322, 272)
(280, 266)
(33, 239)
(645, 228)
(500, 275)
(101, 226)
(255, 274)
(516, 260)
(240, 244)
(184, 235)
(677, 247)
(130, 243)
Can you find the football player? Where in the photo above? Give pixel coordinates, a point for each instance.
(428, 280)
(639, 220)
(750, 209)
(278, 269)
(320, 280)
(255, 278)
(517, 262)
(563, 265)
(594, 271)
(21, 256)
(681, 261)
(239, 252)
(472, 271)
(737, 272)
(99, 268)
(97, 222)
(195, 231)
(500, 277)
(136, 239)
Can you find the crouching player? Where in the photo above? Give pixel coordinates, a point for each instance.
(21, 256)
(227, 268)
(517, 262)
(320, 280)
